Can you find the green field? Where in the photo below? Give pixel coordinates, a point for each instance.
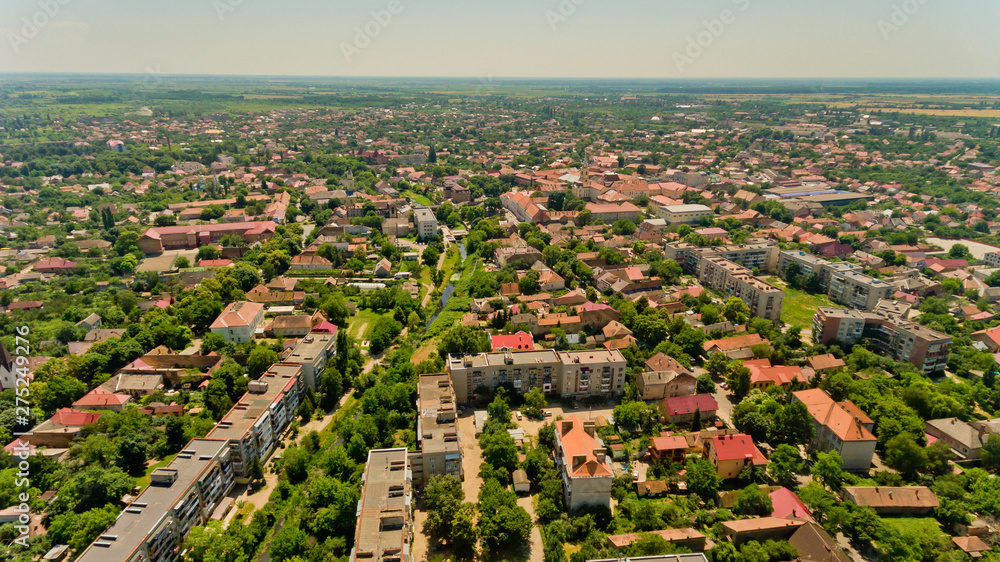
(799, 306)
(418, 198)
(361, 323)
(914, 525)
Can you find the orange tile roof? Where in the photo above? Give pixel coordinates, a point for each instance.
(577, 442)
(839, 418)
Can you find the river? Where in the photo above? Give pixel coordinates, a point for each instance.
(449, 290)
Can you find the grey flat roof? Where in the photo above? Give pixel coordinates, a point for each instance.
(136, 522)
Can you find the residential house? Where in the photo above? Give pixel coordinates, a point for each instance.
(665, 384)
(840, 427)
(730, 454)
(582, 461)
(239, 322)
(681, 409)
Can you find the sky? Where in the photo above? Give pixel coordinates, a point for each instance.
(505, 38)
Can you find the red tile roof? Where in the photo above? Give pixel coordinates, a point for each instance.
(76, 418)
(736, 447)
(682, 405)
(518, 341)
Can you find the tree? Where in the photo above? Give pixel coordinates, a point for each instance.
(958, 251)
(256, 470)
(785, 464)
(736, 311)
(534, 402)
(717, 366)
(752, 501)
(500, 451)
(288, 542)
(991, 453)
(702, 479)
(132, 453)
(739, 380)
(705, 384)
(904, 454)
(792, 425)
(212, 342)
(464, 535)
(696, 420)
(502, 523)
(443, 497)
(828, 469)
(260, 360)
(464, 340)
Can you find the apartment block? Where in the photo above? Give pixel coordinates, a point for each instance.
(924, 348)
(844, 283)
(684, 214)
(439, 449)
(583, 463)
(385, 526)
(426, 223)
(760, 256)
(252, 428)
(992, 259)
(181, 495)
(567, 373)
(733, 280)
(312, 353)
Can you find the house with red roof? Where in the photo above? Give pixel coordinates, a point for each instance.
(514, 342)
(991, 338)
(54, 266)
(669, 448)
(681, 409)
(102, 399)
(730, 454)
(732, 347)
(763, 374)
(63, 427)
(239, 321)
(582, 460)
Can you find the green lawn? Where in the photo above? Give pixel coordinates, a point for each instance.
(418, 198)
(799, 306)
(361, 323)
(914, 525)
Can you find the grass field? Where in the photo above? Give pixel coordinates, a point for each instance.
(418, 198)
(362, 322)
(914, 524)
(799, 306)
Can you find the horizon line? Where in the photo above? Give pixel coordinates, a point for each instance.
(491, 78)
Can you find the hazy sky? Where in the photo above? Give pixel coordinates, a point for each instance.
(506, 38)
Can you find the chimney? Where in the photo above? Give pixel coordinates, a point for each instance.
(599, 453)
(588, 426)
(567, 426)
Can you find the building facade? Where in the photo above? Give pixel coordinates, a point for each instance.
(239, 322)
(582, 462)
(426, 223)
(684, 214)
(567, 373)
(840, 427)
(844, 283)
(926, 349)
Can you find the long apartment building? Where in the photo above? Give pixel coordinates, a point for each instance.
(439, 449)
(733, 280)
(924, 348)
(180, 496)
(253, 427)
(845, 283)
(184, 494)
(385, 526)
(763, 257)
(727, 269)
(567, 373)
